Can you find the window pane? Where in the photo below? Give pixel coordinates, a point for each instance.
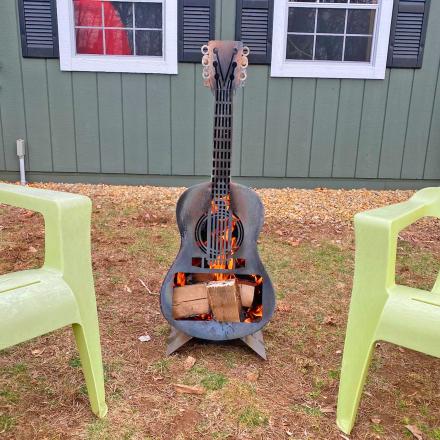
(299, 47)
(331, 21)
(89, 41)
(118, 42)
(118, 14)
(149, 43)
(301, 20)
(148, 15)
(87, 13)
(328, 48)
(360, 21)
(358, 49)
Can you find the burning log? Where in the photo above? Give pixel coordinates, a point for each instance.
(190, 300)
(224, 299)
(247, 293)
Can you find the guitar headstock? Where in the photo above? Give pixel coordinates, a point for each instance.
(224, 64)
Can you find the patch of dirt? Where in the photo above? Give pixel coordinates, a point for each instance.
(307, 244)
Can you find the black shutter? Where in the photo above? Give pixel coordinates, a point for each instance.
(254, 27)
(408, 32)
(196, 28)
(38, 27)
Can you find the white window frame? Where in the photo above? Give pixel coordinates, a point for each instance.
(71, 61)
(375, 69)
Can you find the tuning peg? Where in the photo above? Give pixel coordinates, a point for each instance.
(205, 60)
(246, 51)
(205, 73)
(204, 49)
(243, 76)
(244, 62)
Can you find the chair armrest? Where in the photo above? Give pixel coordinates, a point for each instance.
(376, 236)
(423, 203)
(66, 221)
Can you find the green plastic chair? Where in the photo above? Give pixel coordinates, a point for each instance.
(380, 309)
(35, 302)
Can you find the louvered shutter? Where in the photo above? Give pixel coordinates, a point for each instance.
(254, 27)
(38, 26)
(196, 28)
(408, 31)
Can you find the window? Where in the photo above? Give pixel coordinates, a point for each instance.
(118, 36)
(331, 38)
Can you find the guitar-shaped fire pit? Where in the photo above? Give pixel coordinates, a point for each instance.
(217, 287)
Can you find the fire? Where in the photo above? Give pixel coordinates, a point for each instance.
(254, 314)
(180, 279)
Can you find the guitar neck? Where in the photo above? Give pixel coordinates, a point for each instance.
(222, 148)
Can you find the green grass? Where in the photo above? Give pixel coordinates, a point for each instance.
(75, 362)
(435, 434)
(252, 417)
(307, 409)
(214, 381)
(6, 423)
(9, 396)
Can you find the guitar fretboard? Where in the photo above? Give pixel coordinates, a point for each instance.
(221, 160)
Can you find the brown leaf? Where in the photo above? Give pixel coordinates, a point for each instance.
(252, 376)
(415, 431)
(330, 320)
(186, 389)
(189, 362)
(376, 420)
(32, 250)
(328, 409)
(38, 351)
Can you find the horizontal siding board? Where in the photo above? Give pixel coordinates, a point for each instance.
(110, 122)
(301, 126)
(423, 93)
(159, 122)
(85, 101)
(37, 114)
(134, 96)
(370, 133)
(324, 127)
(254, 121)
(62, 121)
(182, 120)
(396, 119)
(11, 87)
(347, 128)
(277, 126)
(204, 114)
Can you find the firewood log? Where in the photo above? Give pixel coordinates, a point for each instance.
(224, 299)
(190, 300)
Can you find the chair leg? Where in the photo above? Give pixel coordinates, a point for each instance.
(87, 340)
(358, 349)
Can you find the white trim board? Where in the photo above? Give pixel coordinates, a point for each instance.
(280, 67)
(71, 61)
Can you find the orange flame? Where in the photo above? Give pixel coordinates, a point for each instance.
(254, 314)
(180, 279)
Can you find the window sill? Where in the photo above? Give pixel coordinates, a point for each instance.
(329, 69)
(119, 64)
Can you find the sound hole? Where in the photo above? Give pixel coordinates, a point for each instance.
(202, 236)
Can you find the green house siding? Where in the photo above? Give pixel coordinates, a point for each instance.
(158, 128)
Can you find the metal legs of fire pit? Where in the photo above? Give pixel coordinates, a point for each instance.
(178, 338)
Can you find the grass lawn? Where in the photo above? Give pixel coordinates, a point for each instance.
(308, 248)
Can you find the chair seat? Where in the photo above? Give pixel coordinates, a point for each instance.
(28, 295)
(411, 318)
